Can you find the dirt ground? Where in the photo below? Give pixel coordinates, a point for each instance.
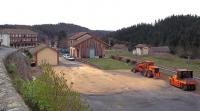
(89, 80)
(122, 90)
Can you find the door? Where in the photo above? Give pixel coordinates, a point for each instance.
(92, 53)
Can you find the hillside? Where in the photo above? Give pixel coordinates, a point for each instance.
(50, 31)
(181, 33)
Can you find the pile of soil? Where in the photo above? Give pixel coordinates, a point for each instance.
(90, 80)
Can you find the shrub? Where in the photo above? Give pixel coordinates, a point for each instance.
(50, 93)
(128, 60)
(11, 68)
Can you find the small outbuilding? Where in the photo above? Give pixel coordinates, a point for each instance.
(159, 50)
(44, 54)
(141, 49)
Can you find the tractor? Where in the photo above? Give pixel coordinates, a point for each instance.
(147, 69)
(183, 79)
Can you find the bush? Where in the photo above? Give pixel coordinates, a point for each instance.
(51, 93)
(11, 68)
(128, 60)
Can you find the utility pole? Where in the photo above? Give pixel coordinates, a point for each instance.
(109, 41)
(188, 61)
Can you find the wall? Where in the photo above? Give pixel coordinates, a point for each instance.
(6, 39)
(47, 55)
(10, 100)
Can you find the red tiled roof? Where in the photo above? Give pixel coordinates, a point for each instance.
(17, 31)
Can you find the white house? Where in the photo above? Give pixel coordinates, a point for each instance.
(5, 39)
(141, 49)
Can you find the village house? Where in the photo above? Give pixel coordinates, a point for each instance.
(162, 50)
(20, 37)
(86, 45)
(44, 54)
(141, 49)
(4, 40)
(119, 47)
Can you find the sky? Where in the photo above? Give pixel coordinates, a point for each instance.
(93, 14)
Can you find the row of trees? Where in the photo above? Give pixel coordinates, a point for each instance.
(181, 33)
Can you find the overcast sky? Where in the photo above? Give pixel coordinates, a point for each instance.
(93, 14)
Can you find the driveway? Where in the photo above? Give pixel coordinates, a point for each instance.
(123, 90)
(5, 51)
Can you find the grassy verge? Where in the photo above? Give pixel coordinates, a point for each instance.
(171, 61)
(48, 92)
(109, 64)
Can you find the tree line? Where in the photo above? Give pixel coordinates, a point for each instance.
(181, 33)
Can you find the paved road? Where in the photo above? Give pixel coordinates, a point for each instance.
(9, 98)
(166, 98)
(5, 51)
(142, 98)
(68, 63)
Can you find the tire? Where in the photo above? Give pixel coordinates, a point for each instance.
(149, 74)
(170, 82)
(185, 88)
(193, 88)
(135, 71)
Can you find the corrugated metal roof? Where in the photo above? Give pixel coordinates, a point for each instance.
(77, 35)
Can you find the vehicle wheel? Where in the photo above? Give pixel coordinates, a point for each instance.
(170, 82)
(193, 87)
(184, 87)
(149, 74)
(135, 71)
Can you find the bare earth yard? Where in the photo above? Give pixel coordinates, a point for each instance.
(122, 90)
(89, 80)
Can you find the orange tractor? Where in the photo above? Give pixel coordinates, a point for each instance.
(183, 79)
(148, 69)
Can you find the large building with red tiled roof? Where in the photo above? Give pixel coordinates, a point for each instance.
(21, 37)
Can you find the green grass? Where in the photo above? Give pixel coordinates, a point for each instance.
(109, 64)
(171, 61)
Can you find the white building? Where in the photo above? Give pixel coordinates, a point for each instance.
(5, 39)
(141, 49)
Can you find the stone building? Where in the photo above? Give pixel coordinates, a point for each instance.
(21, 37)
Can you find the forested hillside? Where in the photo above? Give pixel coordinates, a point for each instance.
(50, 31)
(181, 33)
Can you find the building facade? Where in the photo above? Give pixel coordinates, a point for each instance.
(21, 37)
(141, 49)
(5, 40)
(86, 45)
(40, 55)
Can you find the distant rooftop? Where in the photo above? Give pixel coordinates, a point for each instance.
(77, 35)
(17, 31)
(141, 45)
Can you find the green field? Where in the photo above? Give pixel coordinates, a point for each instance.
(109, 64)
(171, 61)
